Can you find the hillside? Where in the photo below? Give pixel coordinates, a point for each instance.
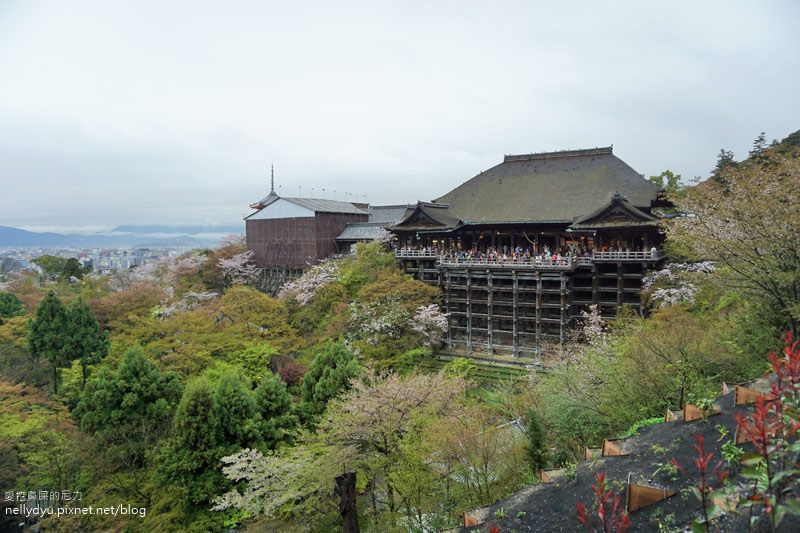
(551, 507)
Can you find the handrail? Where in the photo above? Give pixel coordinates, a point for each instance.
(561, 264)
(536, 262)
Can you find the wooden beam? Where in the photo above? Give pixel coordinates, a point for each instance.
(469, 313)
(669, 416)
(489, 327)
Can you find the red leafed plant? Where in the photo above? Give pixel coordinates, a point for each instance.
(707, 470)
(608, 507)
(772, 428)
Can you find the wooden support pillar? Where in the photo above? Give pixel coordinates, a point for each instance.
(489, 329)
(538, 312)
(469, 312)
(447, 310)
(595, 284)
(515, 314)
(620, 285)
(564, 313)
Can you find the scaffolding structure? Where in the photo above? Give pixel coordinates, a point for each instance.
(518, 309)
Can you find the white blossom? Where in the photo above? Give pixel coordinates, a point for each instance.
(371, 321)
(304, 288)
(190, 300)
(430, 323)
(239, 269)
(594, 329)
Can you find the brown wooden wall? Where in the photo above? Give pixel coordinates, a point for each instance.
(330, 226)
(296, 242)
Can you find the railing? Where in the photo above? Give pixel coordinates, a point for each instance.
(413, 252)
(563, 263)
(628, 256)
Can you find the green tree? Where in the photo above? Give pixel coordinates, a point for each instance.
(48, 335)
(725, 160)
(10, 305)
(759, 145)
(274, 404)
(72, 269)
(192, 458)
(330, 374)
(669, 182)
(236, 412)
(86, 342)
(130, 409)
(535, 448)
(748, 223)
(51, 266)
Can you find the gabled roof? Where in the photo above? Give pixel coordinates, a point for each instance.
(327, 206)
(426, 216)
(387, 214)
(547, 187)
(362, 231)
(618, 212)
(313, 204)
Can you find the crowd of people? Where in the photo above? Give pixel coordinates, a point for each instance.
(564, 255)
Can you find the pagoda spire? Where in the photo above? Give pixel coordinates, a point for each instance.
(272, 179)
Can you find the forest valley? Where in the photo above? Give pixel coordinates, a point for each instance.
(180, 388)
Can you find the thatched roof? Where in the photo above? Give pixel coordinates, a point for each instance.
(547, 187)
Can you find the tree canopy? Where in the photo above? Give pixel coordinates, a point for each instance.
(48, 335)
(10, 305)
(747, 221)
(130, 409)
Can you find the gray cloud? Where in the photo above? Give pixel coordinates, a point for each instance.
(138, 112)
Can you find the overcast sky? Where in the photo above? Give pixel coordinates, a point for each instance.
(134, 112)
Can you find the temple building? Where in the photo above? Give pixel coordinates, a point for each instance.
(521, 249)
(294, 233)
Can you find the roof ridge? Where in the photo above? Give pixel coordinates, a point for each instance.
(605, 150)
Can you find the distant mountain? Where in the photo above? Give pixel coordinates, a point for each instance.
(168, 237)
(185, 230)
(19, 237)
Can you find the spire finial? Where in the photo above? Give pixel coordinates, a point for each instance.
(272, 178)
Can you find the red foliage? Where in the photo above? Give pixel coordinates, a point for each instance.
(290, 371)
(609, 509)
(773, 426)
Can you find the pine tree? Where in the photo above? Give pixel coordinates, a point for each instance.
(759, 145)
(86, 342)
(535, 447)
(236, 412)
(10, 305)
(724, 160)
(274, 404)
(330, 374)
(130, 409)
(192, 458)
(48, 335)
